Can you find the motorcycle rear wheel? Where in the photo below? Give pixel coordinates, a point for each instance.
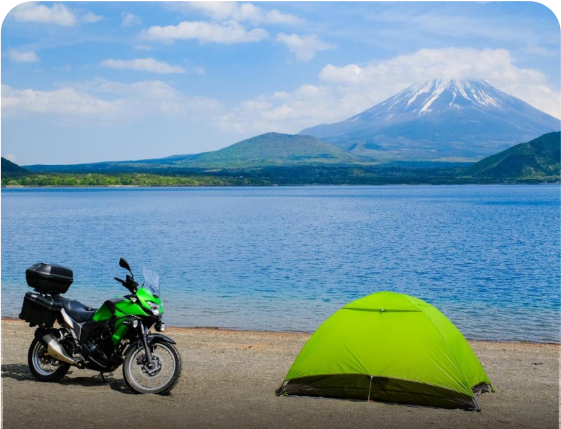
(160, 379)
(42, 366)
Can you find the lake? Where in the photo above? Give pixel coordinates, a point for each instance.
(286, 258)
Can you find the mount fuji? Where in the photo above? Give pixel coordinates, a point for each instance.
(446, 120)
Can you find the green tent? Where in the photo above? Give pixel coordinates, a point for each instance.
(393, 348)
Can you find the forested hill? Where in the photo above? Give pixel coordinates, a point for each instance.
(10, 168)
(538, 159)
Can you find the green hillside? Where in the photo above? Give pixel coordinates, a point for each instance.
(536, 160)
(272, 149)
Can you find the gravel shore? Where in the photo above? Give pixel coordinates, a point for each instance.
(229, 379)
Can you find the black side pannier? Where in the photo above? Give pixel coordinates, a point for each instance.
(49, 278)
(39, 310)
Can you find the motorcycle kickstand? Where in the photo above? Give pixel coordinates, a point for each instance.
(102, 377)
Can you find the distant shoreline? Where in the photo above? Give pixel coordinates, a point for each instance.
(302, 333)
(278, 186)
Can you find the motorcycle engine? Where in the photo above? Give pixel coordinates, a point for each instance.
(98, 351)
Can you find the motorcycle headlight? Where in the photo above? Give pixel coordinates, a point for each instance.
(155, 308)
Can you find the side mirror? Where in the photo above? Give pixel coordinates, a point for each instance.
(124, 264)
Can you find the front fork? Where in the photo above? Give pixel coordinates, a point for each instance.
(144, 336)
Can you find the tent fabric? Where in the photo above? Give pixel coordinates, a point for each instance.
(389, 347)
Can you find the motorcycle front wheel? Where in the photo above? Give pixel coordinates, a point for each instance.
(158, 376)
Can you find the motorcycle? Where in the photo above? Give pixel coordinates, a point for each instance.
(117, 333)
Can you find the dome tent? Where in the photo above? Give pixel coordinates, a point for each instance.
(389, 347)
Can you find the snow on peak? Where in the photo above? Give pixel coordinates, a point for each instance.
(442, 94)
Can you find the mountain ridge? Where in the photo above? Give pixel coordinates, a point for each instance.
(456, 115)
(261, 150)
(439, 119)
(537, 161)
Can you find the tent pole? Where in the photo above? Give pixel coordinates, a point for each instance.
(369, 388)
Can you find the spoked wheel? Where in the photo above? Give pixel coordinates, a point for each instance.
(158, 376)
(43, 366)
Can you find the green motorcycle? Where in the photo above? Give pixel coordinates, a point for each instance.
(118, 333)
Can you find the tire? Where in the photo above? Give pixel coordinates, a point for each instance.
(132, 369)
(39, 365)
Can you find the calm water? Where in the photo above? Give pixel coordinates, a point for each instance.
(287, 258)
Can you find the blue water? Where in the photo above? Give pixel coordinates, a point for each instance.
(286, 258)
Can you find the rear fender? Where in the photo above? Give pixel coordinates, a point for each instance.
(40, 333)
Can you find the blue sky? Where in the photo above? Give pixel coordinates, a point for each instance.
(93, 81)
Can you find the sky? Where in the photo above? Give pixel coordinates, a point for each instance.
(97, 81)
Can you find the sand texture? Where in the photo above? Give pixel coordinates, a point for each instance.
(229, 379)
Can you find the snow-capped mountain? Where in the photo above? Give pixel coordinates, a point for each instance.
(439, 119)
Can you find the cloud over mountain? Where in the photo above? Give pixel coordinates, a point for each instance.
(343, 91)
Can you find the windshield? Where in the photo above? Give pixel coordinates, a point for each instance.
(151, 281)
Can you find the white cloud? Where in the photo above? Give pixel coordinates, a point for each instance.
(449, 63)
(347, 90)
(227, 33)
(57, 14)
(66, 101)
(90, 17)
(145, 97)
(105, 100)
(235, 11)
(143, 64)
(283, 112)
(23, 56)
(495, 65)
(304, 47)
(130, 20)
(35, 12)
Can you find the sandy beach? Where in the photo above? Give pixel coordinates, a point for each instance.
(229, 379)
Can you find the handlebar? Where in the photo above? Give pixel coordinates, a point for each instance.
(129, 283)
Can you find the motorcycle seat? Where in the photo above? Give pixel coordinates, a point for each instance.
(75, 309)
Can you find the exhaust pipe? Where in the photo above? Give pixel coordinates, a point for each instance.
(56, 350)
